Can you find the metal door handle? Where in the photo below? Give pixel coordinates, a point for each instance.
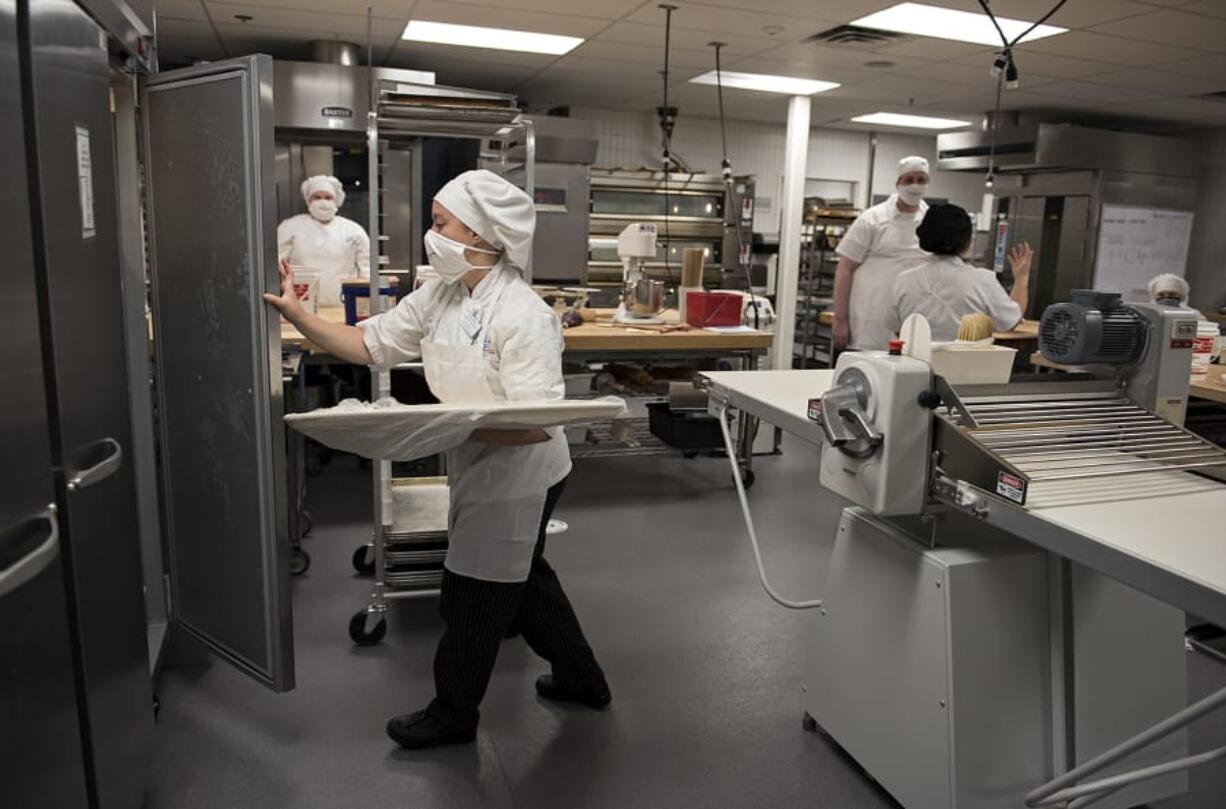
(37, 560)
(99, 471)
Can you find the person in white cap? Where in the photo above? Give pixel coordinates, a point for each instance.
(1169, 289)
(320, 240)
(483, 335)
(879, 245)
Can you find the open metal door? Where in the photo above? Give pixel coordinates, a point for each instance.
(212, 207)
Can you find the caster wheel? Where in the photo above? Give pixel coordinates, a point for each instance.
(363, 636)
(689, 456)
(364, 560)
(306, 524)
(809, 724)
(299, 561)
(747, 478)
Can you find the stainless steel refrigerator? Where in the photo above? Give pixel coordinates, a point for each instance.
(77, 715)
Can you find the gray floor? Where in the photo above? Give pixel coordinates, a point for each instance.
(704, 670)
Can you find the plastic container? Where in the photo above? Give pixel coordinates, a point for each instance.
(685, 430)
(703, 309)
(306, 287)
(356, 297)
(973, 363)
(1202, 347)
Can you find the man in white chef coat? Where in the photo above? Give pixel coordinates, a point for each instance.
(320, 240)
(879, 245)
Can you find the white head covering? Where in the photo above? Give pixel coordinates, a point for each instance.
(322, 182)
(1169, 282)
(912, 163)
(494, 209)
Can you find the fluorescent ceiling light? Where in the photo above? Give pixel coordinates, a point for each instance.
(767, 84)
(475, 36)
(947, 23)
(912, 121)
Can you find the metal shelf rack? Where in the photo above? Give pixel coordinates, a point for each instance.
(820, 235)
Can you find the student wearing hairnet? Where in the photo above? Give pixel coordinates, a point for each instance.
(944, 288)
(878, 246)
(338, 248)
(483, 336)
(1169, 289)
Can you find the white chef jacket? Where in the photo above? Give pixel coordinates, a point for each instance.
(497, 493)
(883, 241)
(944, 289)
(337, 249)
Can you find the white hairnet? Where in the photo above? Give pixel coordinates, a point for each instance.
(912, 163)
(322, 182)
(1169, 282)
(494, 209)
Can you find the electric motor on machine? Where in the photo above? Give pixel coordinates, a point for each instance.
(1094, 327)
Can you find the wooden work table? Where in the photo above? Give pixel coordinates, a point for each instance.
(597, 337)
(1027, 330)
(1211, 387)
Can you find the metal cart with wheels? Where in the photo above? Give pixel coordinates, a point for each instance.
(409, 539)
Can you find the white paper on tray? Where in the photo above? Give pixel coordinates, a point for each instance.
(391, 431)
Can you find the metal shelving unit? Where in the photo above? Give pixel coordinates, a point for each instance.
(820, 234)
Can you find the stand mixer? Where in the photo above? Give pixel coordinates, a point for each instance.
(642, 299)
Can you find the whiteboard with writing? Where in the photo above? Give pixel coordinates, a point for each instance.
(1135, 244)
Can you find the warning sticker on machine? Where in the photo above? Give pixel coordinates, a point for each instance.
(1011, 487)
(85, 182)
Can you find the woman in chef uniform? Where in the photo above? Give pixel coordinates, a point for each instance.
(879, 245)
(944, 288)
(336, 247)
(483, 336)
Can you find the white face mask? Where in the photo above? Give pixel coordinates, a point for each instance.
(322, 209)
(913, 194)
(447, 256)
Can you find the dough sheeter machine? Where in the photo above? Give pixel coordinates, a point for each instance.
(1003, 612)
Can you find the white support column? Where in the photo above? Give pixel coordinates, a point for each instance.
(790, 209)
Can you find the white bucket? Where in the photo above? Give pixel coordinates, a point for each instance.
(973, 363)
(306, 287)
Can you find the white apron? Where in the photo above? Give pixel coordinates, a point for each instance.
(872, 284)
(497, 493)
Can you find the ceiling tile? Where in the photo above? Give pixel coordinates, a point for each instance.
(1097, 95)
(179, 10)
(500, 17)
(977, 75)
(1159, 81)
(1195, 107)
(687, 39)
(598, 9)
(1172, 27)
(1030, 63)
(1214, 8)
(649, 54)
(173, 28)
(817, 57)
(1071, 15)
(582, 65)
(841, 12)
(1206, 66)
(1103, 48)
(931, 49)
(732, 21)
(386, 9)
(267, 17)
(427, 54)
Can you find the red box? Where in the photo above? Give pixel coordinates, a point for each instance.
(704, 309)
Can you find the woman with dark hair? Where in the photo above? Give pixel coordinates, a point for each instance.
(944, 288)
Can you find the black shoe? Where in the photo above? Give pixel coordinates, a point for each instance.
(422, 729)
(597, 698)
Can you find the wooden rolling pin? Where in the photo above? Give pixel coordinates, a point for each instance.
(691, 267)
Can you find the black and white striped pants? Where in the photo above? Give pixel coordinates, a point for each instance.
(478, 615)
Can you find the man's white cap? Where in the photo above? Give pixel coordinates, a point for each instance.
(322, 182)
(912, 163)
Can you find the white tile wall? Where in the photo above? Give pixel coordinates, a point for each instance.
(632, 140)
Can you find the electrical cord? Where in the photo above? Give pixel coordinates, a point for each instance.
(726, 167)
(666, 128)
(775, 595)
